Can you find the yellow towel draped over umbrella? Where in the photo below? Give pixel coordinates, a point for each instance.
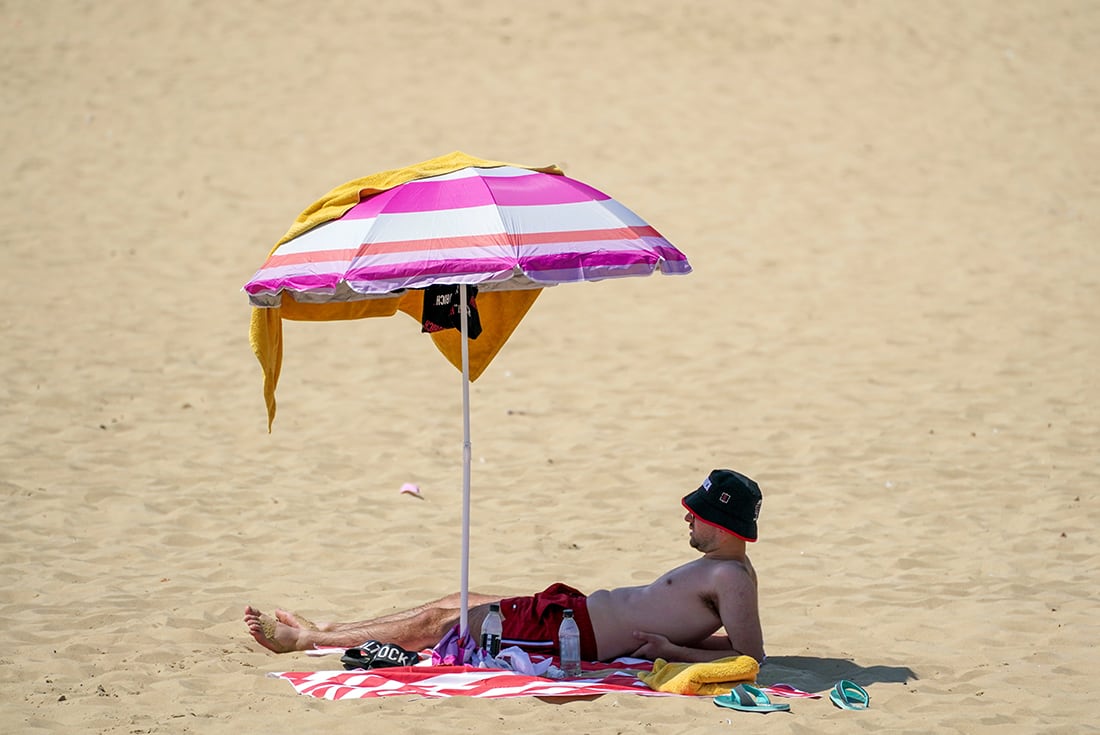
(500, 311)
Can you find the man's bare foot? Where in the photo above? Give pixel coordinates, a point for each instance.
(296, 620)
(273, 634)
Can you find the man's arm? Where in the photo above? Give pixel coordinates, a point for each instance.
(740, 612)
(717, 643)
(654, 646)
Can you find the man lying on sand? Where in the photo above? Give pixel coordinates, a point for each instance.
(676, 617)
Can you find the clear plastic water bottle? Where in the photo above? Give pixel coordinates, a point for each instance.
(491, 629)
(569, 646)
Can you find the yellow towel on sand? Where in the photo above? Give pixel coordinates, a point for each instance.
(500, 311)
(705, 679)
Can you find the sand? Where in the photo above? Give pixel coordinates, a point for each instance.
(892, 210)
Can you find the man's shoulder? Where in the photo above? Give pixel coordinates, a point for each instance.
(732, 571)
(714, 571)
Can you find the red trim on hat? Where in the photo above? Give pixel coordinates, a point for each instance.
(699, 518)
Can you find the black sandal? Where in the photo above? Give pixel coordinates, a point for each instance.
(393, 655)
(378, 655)
(360, 657)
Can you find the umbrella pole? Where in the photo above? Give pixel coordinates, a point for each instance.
(463, 625)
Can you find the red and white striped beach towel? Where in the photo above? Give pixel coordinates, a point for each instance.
(453, 681)
(469, 681)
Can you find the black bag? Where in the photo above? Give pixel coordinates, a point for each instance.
(441, 310)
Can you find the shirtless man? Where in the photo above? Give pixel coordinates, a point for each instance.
(676, 617)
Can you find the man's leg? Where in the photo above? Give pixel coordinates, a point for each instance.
(450, 602)
(415, 629)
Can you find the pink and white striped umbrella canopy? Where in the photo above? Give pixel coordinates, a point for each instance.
(499, 228)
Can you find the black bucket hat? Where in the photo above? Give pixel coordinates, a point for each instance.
(728, 500)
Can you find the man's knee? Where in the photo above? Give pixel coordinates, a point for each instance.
(439, 618)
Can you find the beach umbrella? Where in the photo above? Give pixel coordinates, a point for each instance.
(435, 240)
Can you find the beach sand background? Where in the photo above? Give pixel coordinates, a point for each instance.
(892, 209)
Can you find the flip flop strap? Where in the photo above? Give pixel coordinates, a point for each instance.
(744, 697)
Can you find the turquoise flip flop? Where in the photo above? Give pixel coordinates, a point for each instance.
(748, 698)
(849, 695)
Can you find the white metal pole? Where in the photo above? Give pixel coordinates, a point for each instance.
(464, 616)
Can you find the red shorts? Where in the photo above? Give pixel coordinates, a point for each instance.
(532, 622)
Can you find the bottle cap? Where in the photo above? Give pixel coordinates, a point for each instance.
(494, 607)
(568, 613)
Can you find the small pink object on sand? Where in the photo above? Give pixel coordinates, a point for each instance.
(411, 489)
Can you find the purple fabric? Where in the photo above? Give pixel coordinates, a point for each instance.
(452, 649)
